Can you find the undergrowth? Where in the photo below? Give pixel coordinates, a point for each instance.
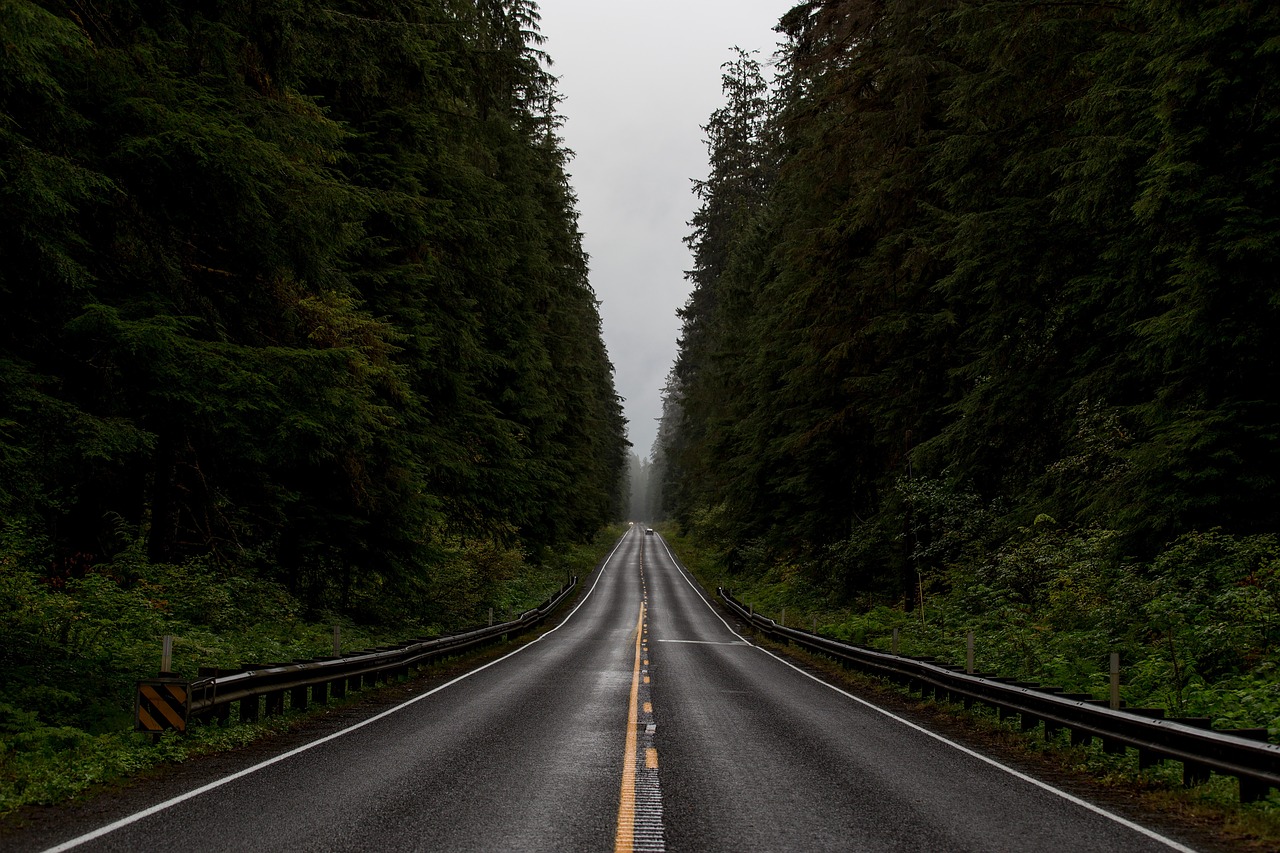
(72, 651)
(1195, 629)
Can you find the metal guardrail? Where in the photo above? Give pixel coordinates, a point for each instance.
(169, 703)
(1241, 752)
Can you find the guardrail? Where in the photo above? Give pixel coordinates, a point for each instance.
(1240, 752)
(259, 689)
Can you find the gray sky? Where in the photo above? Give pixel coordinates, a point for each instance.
(639, 79)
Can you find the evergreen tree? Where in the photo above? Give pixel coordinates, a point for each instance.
(295, 287)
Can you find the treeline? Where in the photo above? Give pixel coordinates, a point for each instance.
(294, 288)
(963, 266)
(645, 492)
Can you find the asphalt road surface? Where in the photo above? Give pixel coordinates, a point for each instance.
(642, 722)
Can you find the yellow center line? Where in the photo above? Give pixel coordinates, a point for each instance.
(624, 840)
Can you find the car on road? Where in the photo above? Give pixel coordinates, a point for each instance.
(648, 531)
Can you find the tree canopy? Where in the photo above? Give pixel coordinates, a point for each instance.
(1016, 257)
(295, 286)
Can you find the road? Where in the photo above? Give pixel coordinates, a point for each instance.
(641, 722)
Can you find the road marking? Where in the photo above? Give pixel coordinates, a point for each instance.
(624, 840)
(218, 783)
(1071, 798)
(640, 804)
(709, 642)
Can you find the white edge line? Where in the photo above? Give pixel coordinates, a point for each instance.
(217, 783)
(1071, 798)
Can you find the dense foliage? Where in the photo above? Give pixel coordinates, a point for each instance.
(294, 289)
(71, 654)
(965, 265)
(295, 330)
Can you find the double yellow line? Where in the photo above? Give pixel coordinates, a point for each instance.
(625, 838)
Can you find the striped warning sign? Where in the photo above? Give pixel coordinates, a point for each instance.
(162, 704)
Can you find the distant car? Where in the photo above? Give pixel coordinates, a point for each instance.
(648, 531)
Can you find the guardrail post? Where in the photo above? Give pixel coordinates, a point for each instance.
(337, 641)
(298, 699)
(1192, 773)
(1146, 757)
(1251, 790)
(893, 644)
(275, 703)
(968, 654)
(249, 709)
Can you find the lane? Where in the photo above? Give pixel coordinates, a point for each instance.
(755, 754)
(525, 754)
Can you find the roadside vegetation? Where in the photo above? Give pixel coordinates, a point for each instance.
(1195, 629)
(72, 652)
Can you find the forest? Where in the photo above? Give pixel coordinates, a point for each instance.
(296, 325)
(982, 334)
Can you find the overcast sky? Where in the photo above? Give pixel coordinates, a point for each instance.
(639, 78)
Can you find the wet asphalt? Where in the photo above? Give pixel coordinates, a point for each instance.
(527, 754)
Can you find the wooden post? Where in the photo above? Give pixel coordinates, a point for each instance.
(1115, 681)
(337, 641)
(968, 655)
(166, 654)
(783, 623)
(893, 644)
(490, 617)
